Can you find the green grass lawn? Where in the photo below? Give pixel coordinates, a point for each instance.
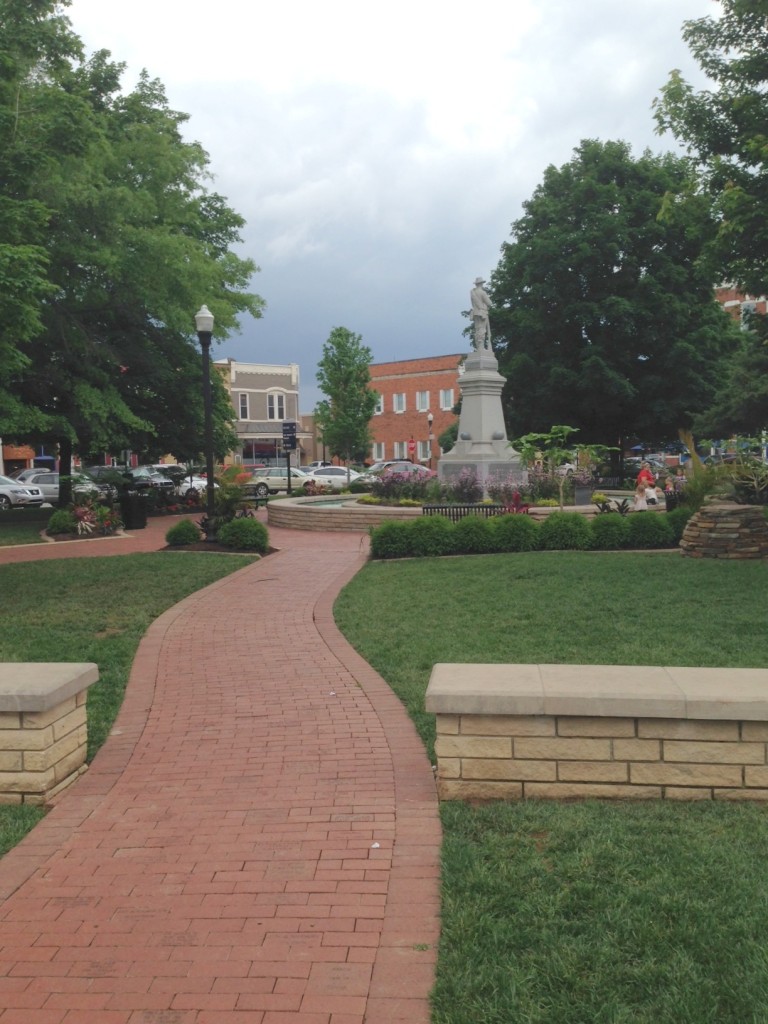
(20, 533)
(584, 913)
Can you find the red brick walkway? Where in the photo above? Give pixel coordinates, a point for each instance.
(257, 841)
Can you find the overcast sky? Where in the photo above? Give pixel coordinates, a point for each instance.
(379, 153)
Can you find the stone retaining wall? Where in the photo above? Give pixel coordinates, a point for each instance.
(315, 514)
(726, 530)
(515, 732)
(43, 732)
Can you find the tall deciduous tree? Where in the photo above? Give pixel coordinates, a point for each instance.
(724, 129)
(343, 416)
(602, 315)
(126, 242)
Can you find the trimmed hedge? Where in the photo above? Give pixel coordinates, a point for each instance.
(62, 521)
(245, 535)
(181, 533)
(437, 535)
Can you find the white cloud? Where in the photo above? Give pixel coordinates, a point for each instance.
(379, 154)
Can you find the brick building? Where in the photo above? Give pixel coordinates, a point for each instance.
(409, 390)
(738, 304)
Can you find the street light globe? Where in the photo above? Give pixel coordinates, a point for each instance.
(204, 320)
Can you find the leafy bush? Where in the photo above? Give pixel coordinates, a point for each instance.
(502, 487)
(183, 532)
(515, 533)
(394, 486)
(562, 531)
(750, 482)
(474, 535)
(464, 488)
(62, 521)
(359, 487)
(431, 535)
(542, 486)
(650, 530)
(245, 534)
(609, 532)
(390, 540)
(676, 520)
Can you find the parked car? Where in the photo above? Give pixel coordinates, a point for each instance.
(83, 486)
(23, 475)
(141, 478)
(410, 469)
(316, 465)
(333, 476)
(13, 492)
(189, 486)
(275, 478)
(374, 471)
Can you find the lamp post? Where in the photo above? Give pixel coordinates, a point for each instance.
(204, 325)
(430, 436)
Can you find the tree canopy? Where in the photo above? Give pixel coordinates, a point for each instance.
(111, 240)
(603, 316)
(343, 416)
(724, 130)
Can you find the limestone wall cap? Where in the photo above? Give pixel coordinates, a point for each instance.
(39, 686)
(634, 691)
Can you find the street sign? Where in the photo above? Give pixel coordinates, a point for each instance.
(289, 435)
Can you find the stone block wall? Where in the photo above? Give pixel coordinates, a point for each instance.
(516, 757)
(43, 729)
(726, 530)
(515, 732)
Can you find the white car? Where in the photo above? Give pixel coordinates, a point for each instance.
(336, 477)
(192, 485)
(274, 479)
(14, 493)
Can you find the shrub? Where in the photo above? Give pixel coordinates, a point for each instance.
(609, 532)
(515, 533)
(183, 532)
(502, 488)
(464, 488)
(393, 486)
(474, 535)
(390, 540)
(245, 534)
(62, 521)
(649, 530)
(541, 486)
(565, 531)
(431, 535)
(676, 520)
(359, 487)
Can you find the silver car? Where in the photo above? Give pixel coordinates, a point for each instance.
(83, 486)
(274, 479)
(13, 493)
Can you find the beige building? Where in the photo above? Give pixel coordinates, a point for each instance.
(263, 396)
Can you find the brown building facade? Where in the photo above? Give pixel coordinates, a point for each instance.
(409, 391)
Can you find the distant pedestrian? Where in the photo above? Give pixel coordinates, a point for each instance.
(645, 476)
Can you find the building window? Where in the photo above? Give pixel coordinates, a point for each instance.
(401, 449)
(398, 403)
(378, 451)
(423, 452)
(422, 401)
(276, 407)
(379, 406)
(446, 399)
(243, 407)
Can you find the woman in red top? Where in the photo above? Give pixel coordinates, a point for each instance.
(645, 477)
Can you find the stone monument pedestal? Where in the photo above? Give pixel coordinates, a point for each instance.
(482, 445)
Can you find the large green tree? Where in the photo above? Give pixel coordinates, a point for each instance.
(603, 317)
(127, 242)
(725, 129)
(343, 416)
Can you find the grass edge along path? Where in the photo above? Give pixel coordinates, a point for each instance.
(583, 913)
(93, 610)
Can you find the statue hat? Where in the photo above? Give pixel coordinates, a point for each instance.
(479, 280)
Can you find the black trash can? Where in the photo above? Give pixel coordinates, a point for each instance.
(133, 510)
(672, 500)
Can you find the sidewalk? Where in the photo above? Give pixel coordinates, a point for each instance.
(257, 842)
